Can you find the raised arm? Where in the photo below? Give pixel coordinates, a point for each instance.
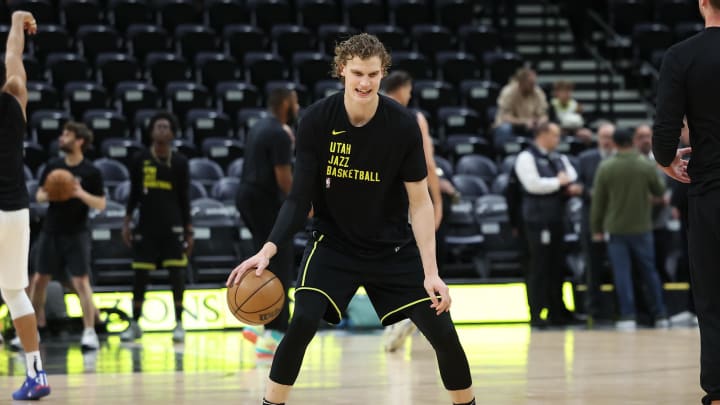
(15, 77)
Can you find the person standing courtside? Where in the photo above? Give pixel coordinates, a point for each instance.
(594, 251)
(360, 164)
(265, 183)
(623, 188)
(547, 180)
(688, 87)
(160, 188)
(14, 203)
(64, 243)
(398, 86)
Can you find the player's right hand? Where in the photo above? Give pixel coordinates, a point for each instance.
(259, 263)
(27, 20)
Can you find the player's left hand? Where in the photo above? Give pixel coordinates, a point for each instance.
(434, 285)
(678, 168)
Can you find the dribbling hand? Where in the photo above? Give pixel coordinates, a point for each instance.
(259, 262)
(678, 168)
(434, 285)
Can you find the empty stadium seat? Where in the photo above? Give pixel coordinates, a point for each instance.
(203, 123)
(215, 67)
(176, 12)
(182, 96)
(222, 150)
(225, 190)
(394, 38)
(221, 13)
(216, 240)
(46, 125)
(299, 89)
(479, 39)
(234, 96)
(82, 96)
(121, 149)
(41, 96)
(147, 38)
(470, 186)
(195, 38)
(123, 13)
(454, 67)
(431, 39)
(166, 67)
(113, 172)
(243, 38)
(288, 39)
(122, 192)
(115, 67)
(77, 12)
(49, 38)
(458, 120)
(445, 166)
(477, 165)
(131, 96)
(67, 67)
(205, 171)
(96, 39)
(262, 67)
(111, 258)
(650, 37)
(479, 95)
(314, 13)
(459, 145)
(234, 169)
(454, 13)
(361, 13)
(324, 88)
(412, 62)
(406, 13)
(105, 123)
(270, 12)
(311, 67)
(247, 117)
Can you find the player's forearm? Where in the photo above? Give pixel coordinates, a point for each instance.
(421, 218)
(93, 201)
(15, 42)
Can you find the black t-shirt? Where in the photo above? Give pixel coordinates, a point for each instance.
(161, 190)
(71, 216)
(688, 87)
(13, 193)
(355, 177)
(267, 146)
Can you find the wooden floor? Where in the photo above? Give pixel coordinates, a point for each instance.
(510, 365)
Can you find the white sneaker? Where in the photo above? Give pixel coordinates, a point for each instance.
(685, 318)
(131, 333)
(662, 323)
(395, 335)
(89, 340)
(178, 334)
(626, 326)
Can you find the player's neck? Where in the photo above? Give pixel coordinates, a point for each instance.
(74, 158)
(712, 18)
(360, 114)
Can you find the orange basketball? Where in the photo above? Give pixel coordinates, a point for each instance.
(256, 300)
(59, 185)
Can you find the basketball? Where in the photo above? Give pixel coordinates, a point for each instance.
(59, 185)
(256, 300)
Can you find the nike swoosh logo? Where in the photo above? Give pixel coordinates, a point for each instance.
(334, 132)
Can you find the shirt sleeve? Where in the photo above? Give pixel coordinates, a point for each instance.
(670, 109)
(95, 184)
(569, 169)
(294, 211)
(280, 149)
(530, 178)
(414, 167)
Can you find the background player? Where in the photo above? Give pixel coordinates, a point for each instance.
(14, 203)
(64, 243)
(160, 184)
(360, 162)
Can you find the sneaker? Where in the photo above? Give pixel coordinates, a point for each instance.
(33, 388)
(396, 336)
(89, 340)
(252, 333)
(178, 333)
(268, 343)
(626, 325)
(131, 333)
(685, 318)
(662, 323)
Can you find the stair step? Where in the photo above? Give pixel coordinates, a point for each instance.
(569, 64)
(545, 51)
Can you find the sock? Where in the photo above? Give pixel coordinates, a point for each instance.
(34, 363)
(467, 403)
(266, 402)
(89, 330)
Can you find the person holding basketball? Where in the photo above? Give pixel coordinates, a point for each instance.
(687, 87)
(14, 203)
(360, 164)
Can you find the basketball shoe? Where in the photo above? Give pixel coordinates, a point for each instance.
(131, 333)
(253, 333)
(395, 335)
(89, 340)
(268, 343)
(33, 388)
(178, 333)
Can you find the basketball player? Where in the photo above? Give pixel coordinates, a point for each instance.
(265, 182)
(64, 243)
(160, 188)
(687, 86)
(14, 203)
(398, 86)
(360, 162)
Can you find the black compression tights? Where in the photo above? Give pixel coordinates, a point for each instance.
(309, 309)
(142, 279)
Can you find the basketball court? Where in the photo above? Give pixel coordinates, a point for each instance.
(510, 365)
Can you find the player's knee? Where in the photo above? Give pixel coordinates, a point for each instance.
(303, 327)
(442, 336)
(18, 302)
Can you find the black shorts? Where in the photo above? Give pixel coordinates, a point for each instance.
(162, 250)
(59, 255)
(393, 283)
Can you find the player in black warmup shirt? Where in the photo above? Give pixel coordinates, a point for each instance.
(63, 246)
(160, 184)
(688, 86)
(360, 163)
(266, 180)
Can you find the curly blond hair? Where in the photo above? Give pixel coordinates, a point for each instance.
(364, 46)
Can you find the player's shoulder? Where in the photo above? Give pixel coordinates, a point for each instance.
(685, 46)
(398, 113)
(324, 108)
(55, 163)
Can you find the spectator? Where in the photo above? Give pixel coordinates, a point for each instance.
(522, 107)
(594, 251)
(547, 179)
(567, 110)
(621, 207)
(662, 212)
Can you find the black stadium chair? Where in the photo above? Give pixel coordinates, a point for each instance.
(181, 97)
(222, 150)
(147, 38)
(67, 67)
(113, 172)
(204, 123)
(123, 13)
(96, 39)
(314, 13)
(288, 39)
(131, 96)
(111, 258)
(329, 35)
(233, 96)
(240, 39)
(114, 67)
(215, 67)
(195, 38)
(49, 39)
(105, 124)
(394, 38)
(74, 13)
(176, 12)
(121, 149)
(205, 172)
(41, 96)
(477, 165)
(82, 96)
(470, 186)
(221, 13)
(234, 169)
(216, 239)
(166, 67)
(225, 190)
(46, 125)
(361, 13)
(261, 67)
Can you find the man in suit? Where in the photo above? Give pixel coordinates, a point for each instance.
(594, 251)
